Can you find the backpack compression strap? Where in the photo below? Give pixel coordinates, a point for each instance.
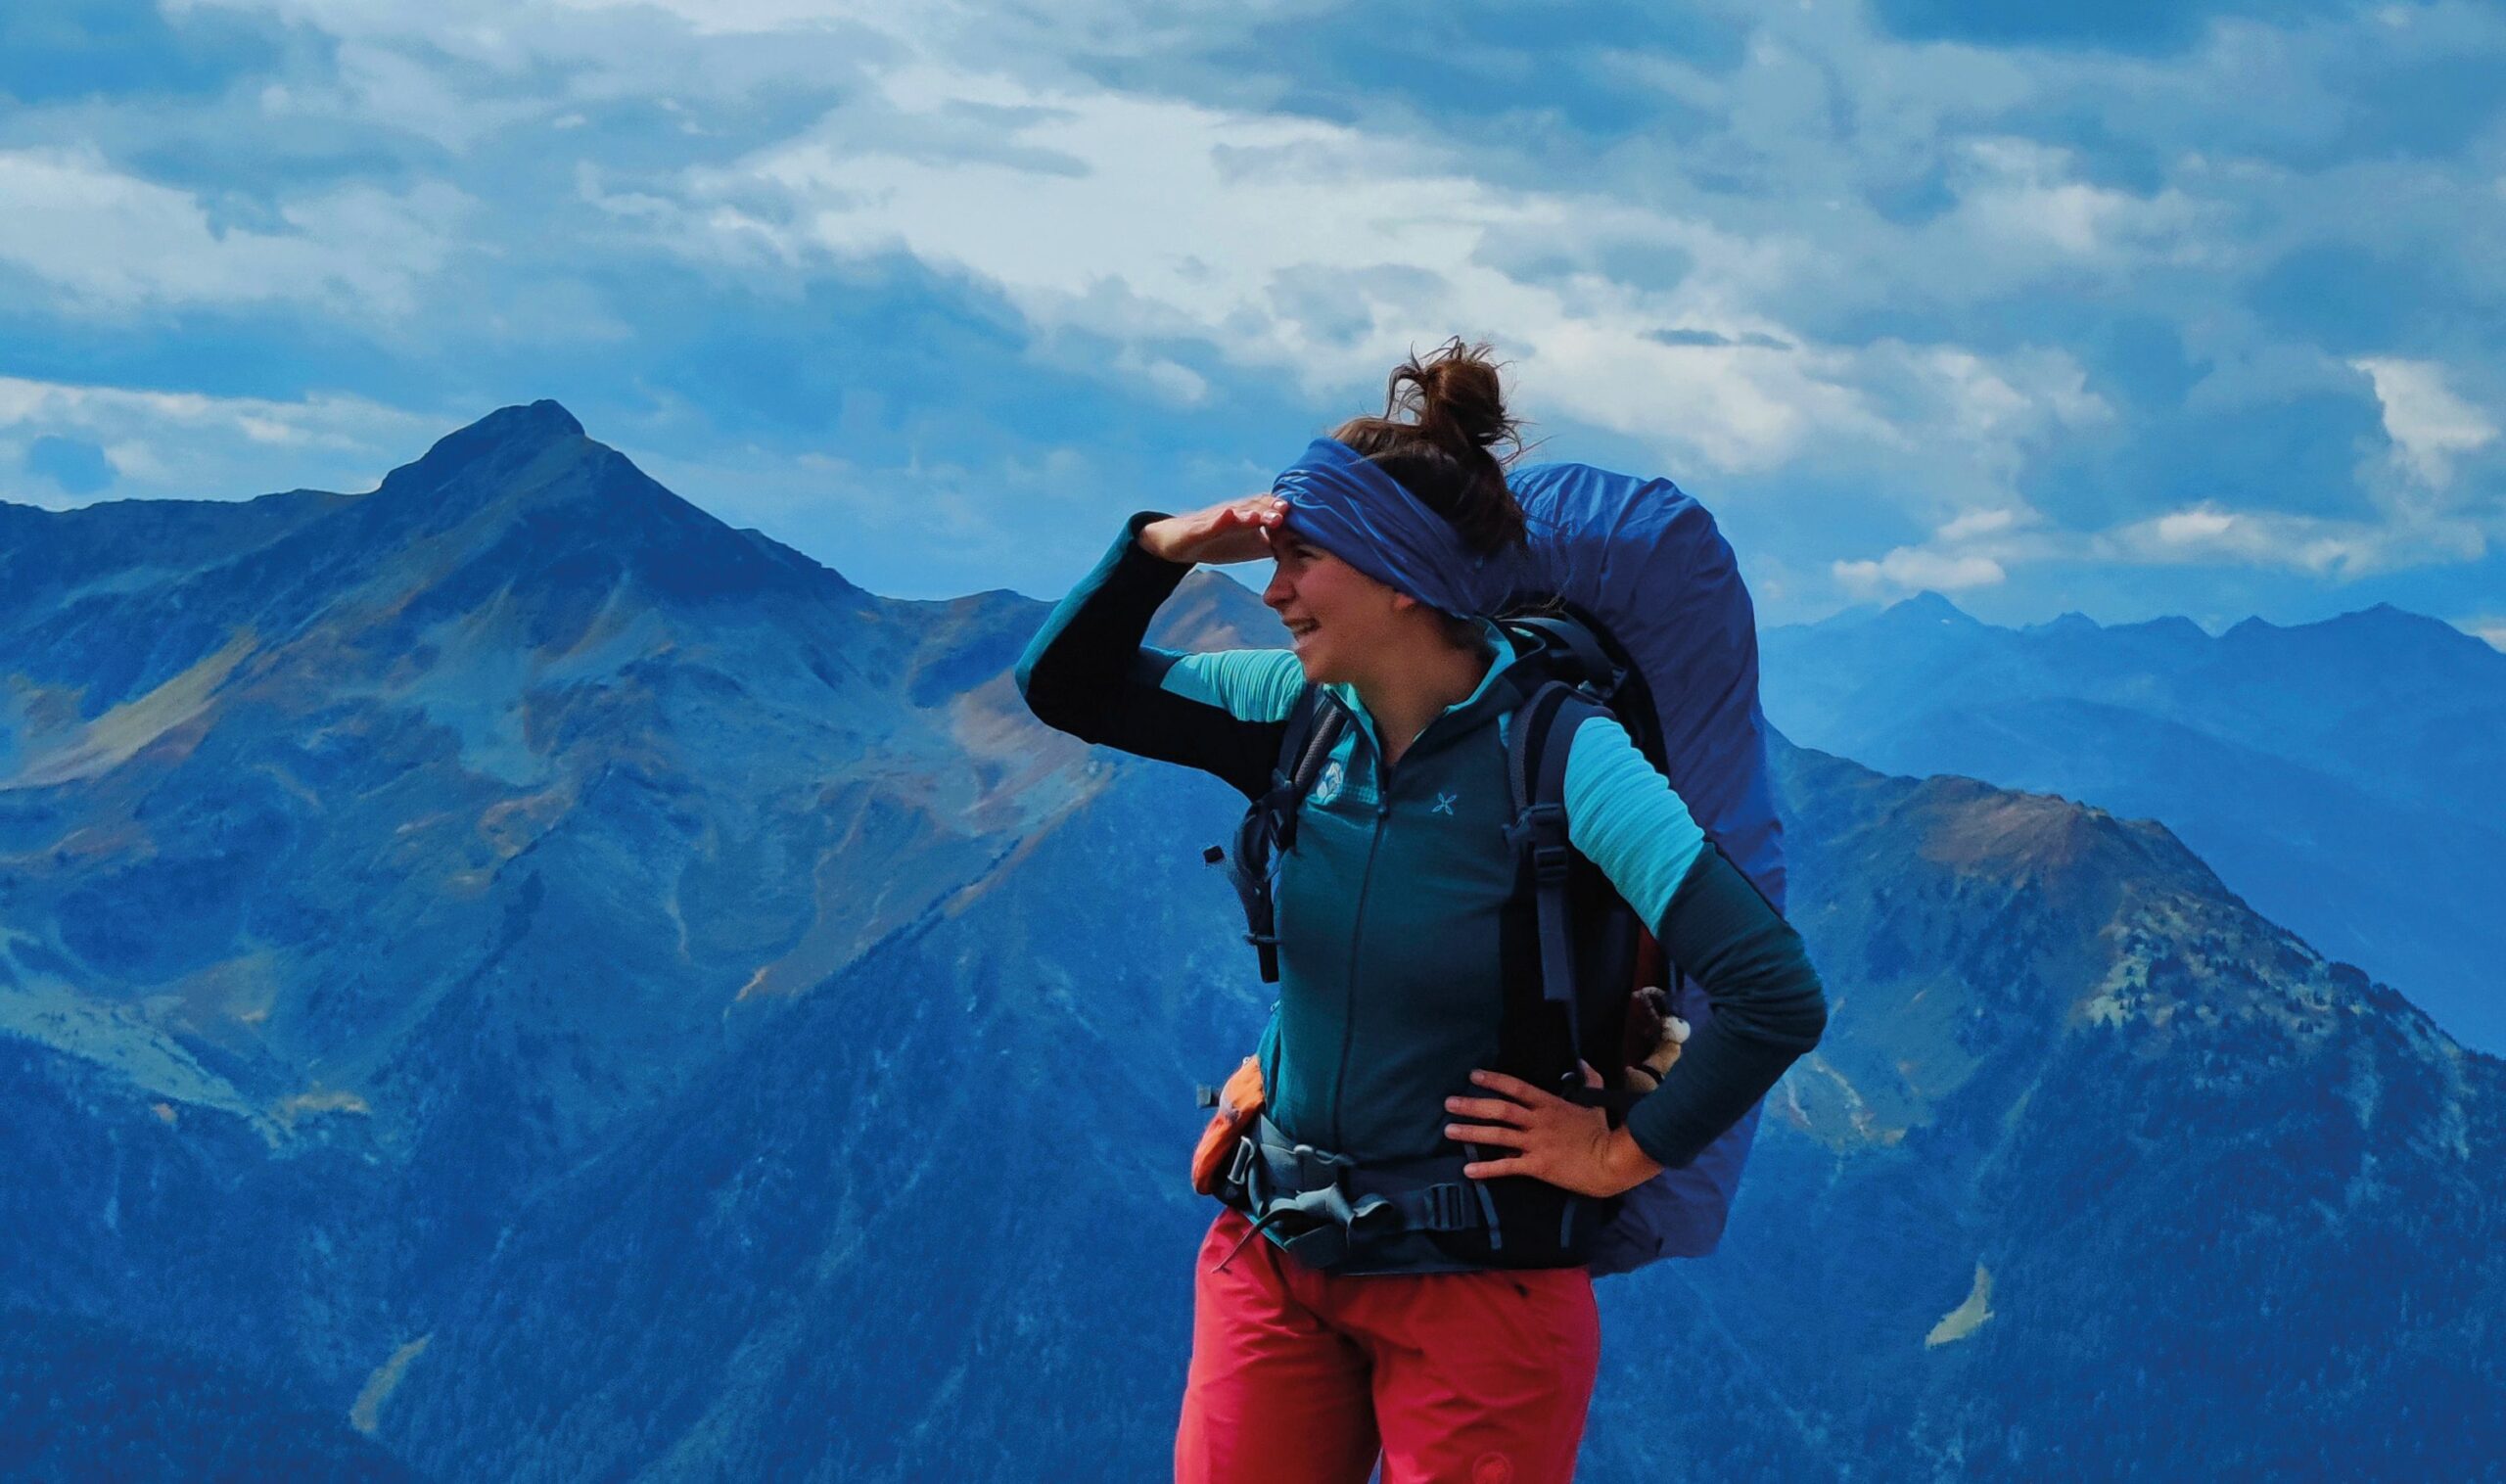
(1313, 727)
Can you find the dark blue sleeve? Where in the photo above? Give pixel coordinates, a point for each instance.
(1769, 1008)
(1087, 673)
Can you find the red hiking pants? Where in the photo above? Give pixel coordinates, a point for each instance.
(1303, 1375)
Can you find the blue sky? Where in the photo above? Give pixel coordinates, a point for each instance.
(2136, 308)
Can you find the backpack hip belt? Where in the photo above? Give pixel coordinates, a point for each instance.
(1330, 1204)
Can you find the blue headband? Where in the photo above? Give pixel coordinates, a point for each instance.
(1345, 503)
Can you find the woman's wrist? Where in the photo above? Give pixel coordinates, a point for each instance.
(1157, 535)
(1628, 1163)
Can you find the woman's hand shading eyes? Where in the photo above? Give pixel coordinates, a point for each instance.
(1237, 531)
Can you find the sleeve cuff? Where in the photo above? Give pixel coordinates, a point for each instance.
(1132, 549)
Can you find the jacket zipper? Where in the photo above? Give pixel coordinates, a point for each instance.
(1357, 939)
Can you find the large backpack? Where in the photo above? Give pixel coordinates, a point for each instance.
(1626, 599)
(1644, 568)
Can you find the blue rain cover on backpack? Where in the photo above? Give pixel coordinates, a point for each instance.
(1647, 563)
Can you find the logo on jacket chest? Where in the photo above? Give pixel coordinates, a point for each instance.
(1326, 786)
(1332, 783)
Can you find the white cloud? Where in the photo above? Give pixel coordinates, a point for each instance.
(749, 17)
(1881, 266)
(1974, 548)
(112, 240)
(1911, 569)
(2192, 528)
(2428, 423)
(380, 84)
(1994, 411)
(1320, 253)
(2028, 197)
(1170, 380)
(459, 73)
(1143, 220)
(2342, 549)
(1976, 523)
(1979, 548)
(188, 446)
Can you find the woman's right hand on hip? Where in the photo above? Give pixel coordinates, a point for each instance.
(1239, 531)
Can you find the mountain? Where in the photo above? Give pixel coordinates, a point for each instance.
(427, 831)
(2347, 777)
(2068, 1070)
(80, 1401)
(575, 1015)
(2084, 1179)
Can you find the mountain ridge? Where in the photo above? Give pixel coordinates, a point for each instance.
(2348, 775)
(665, 1014)
(1929, 603)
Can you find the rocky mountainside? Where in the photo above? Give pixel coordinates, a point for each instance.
(2347, 777)
(416, 837)
(2097, 1172)
(581, 992)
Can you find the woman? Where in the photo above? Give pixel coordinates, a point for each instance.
(1402, 915)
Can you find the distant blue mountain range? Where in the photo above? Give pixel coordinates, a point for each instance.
(2347, 777)
(574, 990)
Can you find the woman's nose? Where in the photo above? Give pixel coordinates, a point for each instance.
(1276, 596)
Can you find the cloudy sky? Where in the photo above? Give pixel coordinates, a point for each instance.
(2153, 307)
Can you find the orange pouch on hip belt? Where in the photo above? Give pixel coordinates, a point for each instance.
(1239, 1103)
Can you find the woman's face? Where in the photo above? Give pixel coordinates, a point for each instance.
(1340, 620)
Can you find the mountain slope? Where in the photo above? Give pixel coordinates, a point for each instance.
(2074, 1085)
(441, 826)
(80, 1401)
(2347, 777)
(589, 1013)
(938, 1230)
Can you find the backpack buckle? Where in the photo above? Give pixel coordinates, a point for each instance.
(1316, 1170)
(1550, 862)
(1540, 829)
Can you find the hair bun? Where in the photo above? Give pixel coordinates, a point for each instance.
(1443, 417)
(1454, 397)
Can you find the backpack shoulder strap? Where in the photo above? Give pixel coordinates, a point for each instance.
(1313, 727)
(1537, 772)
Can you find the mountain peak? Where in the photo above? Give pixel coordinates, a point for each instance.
(508, 437)
(2389, 617)
(2384, 623)
(540, 422)
(1928, 604)
(2172, 627)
